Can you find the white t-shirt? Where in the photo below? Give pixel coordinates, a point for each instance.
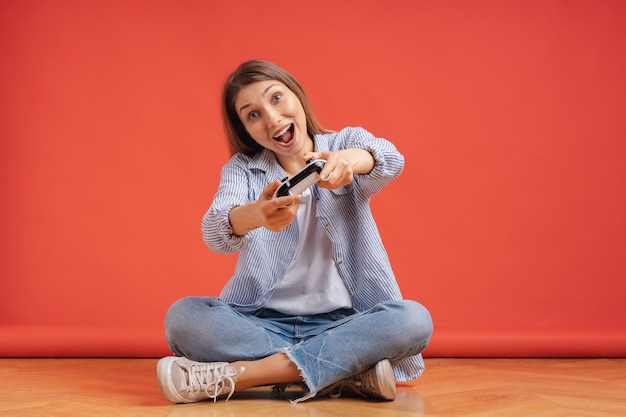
(312, 284)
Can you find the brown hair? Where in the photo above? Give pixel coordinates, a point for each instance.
(247, 73)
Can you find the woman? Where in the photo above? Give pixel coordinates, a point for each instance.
(313, 299)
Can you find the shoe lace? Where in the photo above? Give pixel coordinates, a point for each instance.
(355, 384)
(214, 380)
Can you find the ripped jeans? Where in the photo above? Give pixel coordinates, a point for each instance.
(326, 348)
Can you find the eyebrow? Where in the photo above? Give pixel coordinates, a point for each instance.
(264, 92)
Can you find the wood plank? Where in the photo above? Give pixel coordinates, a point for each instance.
(449, 388)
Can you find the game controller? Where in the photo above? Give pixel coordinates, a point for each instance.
(308, 176)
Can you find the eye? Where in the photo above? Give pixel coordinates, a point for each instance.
(253, 115)
(276, 97)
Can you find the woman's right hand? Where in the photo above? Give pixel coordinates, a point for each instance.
(274, 214)
(277, 213)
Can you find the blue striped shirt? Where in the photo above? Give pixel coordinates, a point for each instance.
(344, 213)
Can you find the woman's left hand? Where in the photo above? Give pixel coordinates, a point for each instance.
(341, 166)
(337, 171)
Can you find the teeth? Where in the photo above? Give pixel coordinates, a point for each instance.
(282, 132)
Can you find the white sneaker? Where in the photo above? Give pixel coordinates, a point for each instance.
(185, 381)
(377, 382)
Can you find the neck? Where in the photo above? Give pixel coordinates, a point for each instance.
(293, 163)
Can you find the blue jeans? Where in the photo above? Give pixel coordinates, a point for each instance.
(326, 348)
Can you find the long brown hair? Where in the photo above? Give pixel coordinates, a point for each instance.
(247, 73)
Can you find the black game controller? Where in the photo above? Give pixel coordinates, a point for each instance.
(308, 176)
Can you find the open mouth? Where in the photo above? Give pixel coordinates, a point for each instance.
(285, 135)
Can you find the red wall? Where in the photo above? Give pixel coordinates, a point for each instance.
(508, 222)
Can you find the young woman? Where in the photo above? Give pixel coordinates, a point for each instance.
(313, 298)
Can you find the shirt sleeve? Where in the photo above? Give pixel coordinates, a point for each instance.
(389, 162)
(233, 191)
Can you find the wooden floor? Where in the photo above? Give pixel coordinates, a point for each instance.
(449, 387)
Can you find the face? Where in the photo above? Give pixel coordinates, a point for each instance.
(273, 116)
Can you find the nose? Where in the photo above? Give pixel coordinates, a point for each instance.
(274, 118)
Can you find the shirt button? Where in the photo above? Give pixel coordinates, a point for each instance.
(338, 261)
(327, 226)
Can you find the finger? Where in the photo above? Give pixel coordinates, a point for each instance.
(313, 156)
(270, 189)
(287, 201)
